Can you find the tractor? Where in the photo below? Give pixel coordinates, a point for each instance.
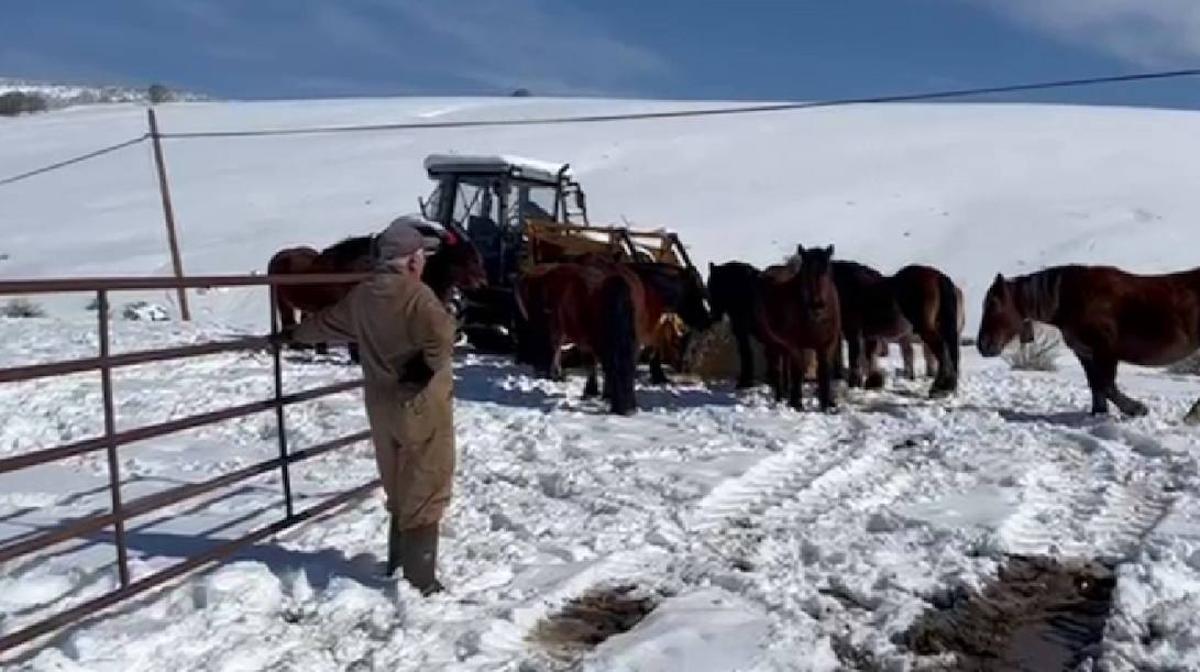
(521, 212)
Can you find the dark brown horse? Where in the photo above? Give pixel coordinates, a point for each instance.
(456, 265)
(931, 303)
(600, 308)
(798, 310)
(733, 291)
(1106, 316)
(670, 289)
(911, 304)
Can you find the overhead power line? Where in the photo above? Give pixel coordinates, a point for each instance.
(73, 160)
(706, 112)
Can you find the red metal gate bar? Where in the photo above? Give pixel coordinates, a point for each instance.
(280, 425)
(34, 371)
(160, 500)
(66, 285)
(152, 431)
(141, 585)
(110, 431)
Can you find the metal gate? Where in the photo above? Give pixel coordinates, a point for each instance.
(111, 440)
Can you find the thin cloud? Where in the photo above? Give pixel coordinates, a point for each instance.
(1150, 33)
(523, 43)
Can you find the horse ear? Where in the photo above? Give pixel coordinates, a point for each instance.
(711, 267)
(829, 252)
(800, 251)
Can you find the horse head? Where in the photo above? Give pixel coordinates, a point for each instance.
(1002, 319)
(463, 261)
(817, 291)
(694, 299)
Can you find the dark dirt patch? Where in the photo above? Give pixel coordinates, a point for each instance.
(1039, 614)
(586, 621)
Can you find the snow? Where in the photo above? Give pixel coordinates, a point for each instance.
(785, 539)
(544, 171)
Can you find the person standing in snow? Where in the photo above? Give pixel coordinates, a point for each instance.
(406, 339)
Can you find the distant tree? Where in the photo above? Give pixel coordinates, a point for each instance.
(522, 93)
(159, 93)
(20, 102)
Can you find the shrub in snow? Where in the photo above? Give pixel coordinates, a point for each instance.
(143, 311)
(19, 102)
(22, 308)
(1188, 366)
(158, 93)
(1040, 355)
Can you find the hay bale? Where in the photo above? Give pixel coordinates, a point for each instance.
(712, 354)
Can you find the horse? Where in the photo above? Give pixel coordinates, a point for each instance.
(1106, 316)
(733, 289)
(878, 309)
(932, 304)
(669, 289)
(456, 265)
(598, 307)
(798, 310)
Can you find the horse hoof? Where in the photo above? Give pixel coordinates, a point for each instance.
(1135, 410)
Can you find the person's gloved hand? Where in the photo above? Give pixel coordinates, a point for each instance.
(416, 372)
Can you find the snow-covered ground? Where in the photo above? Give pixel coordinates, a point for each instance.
(784, 540)
(778, 534)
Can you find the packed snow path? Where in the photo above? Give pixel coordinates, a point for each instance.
(783, 537)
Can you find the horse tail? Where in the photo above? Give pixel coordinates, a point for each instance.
(948, 317)
(618, 357)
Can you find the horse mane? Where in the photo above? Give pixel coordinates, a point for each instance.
(349, 250)
(1037, 293)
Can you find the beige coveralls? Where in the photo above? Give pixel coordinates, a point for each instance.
(396, 320)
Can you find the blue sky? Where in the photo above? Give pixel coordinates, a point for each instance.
(693, 49)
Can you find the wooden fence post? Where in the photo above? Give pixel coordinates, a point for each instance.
(168, 213)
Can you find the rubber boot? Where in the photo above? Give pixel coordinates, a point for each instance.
(395, 543)
(418, 558)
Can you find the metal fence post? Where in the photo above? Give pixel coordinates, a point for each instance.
(110, 429)
(164, 190)
(276, 350)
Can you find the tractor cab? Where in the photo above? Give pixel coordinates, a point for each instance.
(494, 198)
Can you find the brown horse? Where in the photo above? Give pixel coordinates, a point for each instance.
(733, 289)
(670, 289)
(1106, 316)
(456, 265)
(877, 310)
(598, 307)
(932, 304)
(798, 310)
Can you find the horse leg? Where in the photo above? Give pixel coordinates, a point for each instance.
(825, 360)
(875, 375)
(943, 383)
(352, 350)
(1097, 386)
(855, 343)
(794, 367)
(592, 388)
(1106, 377)
(909, 357)
(773, 380)
(745, 359)
(657, 375)
(931, 362)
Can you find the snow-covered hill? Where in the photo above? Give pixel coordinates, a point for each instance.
(973, 189)
(69, 95)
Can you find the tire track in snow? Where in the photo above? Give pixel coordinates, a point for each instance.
(1090, 498)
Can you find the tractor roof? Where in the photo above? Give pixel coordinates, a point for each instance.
(512, 166)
